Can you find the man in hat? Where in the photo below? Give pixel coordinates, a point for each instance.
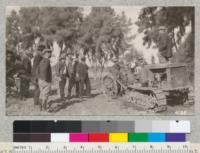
(26, 64)
(82, 76)
(45, 78)
(143, 75)
(70, 72)
(75, 64)
(165, 45)
(116, 68)
(62, 74)
(36, 62)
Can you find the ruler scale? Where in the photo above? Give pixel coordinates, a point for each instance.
(99, 148)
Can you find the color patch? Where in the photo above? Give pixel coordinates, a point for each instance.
(21, 138)
(137, 137)
(22, 126)
(107, 126)
(99, 137)
(179, 127)
(126, 126)
(78, 137)
(118, 137)
(141, 126)
(175, 137)
(40, 137)
(156, 137)
(59, 137)
(90, 126)
(160, 127)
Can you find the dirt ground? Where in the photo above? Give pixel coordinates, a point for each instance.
(97, 104)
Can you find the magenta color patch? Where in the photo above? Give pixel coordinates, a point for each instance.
(78, 137)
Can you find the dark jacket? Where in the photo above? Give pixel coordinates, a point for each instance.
(165, 45)
(71, 69)
(27, 65)
(36, 62)
(61, 70)
(44, 70)
(82, 70)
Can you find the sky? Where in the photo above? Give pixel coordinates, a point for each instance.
(132, 13)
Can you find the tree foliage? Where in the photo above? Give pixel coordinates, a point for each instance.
(151, 18)
(13, 36)
(61, 24)
(105, 34)
(30, 25)
(102, 32)
(175, 19)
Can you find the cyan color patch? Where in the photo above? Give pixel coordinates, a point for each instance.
(157, 137)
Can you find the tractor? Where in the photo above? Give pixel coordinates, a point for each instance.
(153, 88)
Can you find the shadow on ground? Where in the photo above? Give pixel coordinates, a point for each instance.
(56, 106)
(59, 104)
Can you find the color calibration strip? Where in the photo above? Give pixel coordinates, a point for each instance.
(100, 131)
(101, 137)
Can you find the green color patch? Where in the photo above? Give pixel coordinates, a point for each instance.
(138, 137)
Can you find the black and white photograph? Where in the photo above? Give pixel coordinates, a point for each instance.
(98, 61)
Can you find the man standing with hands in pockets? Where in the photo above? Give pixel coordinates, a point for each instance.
(36, 61)
(45, 78)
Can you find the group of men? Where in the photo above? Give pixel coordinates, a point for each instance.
(74, 69)
(68, 67)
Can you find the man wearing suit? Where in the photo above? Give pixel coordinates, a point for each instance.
(26, 64)
(36, 62)
(70, 72)
(62, 75)
(165, 45)
(82, 76)
(45, 78)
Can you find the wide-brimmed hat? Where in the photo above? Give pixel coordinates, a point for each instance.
(46, 50)
(41, 47)
(162, 28)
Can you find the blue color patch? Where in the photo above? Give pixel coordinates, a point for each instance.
(157, 137)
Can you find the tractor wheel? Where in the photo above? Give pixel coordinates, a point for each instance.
(161, 104)
(110, 87)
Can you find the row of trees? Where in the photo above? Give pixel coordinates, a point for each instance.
(102, 33)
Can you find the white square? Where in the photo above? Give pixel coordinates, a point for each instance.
(180, 127)
(59, 137)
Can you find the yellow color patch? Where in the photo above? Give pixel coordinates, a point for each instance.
(118, 137)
